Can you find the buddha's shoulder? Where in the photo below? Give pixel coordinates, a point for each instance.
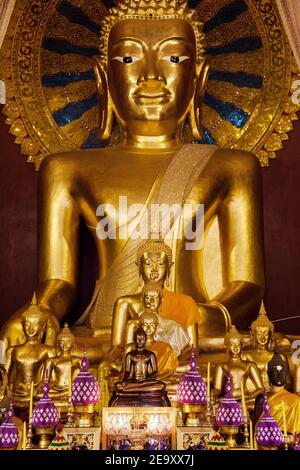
(77, 157)
(235, 160)
(179, 297)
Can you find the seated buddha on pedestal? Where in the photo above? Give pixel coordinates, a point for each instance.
(241, 371)
(139, 386)
(150, 75)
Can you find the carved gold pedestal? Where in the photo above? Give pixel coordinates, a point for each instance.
(45, 434)
(84, 415)
(193, 414)
(230, 433)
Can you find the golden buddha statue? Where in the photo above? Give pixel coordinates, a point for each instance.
(24, 362)
(150, 76)
(58, 367)
(262, 331)
(241, 371)
(139, 379)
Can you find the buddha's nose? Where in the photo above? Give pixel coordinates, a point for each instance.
(152, 73)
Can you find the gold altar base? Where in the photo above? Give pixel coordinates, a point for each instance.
(84, 415)
(44, 433)
(230, 433)
(194, 414)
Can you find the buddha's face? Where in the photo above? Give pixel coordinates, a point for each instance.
(234, 346)
(149, 326)
(65, 344)
(154, 267)
(152, 299)
(151, 73)
(32, 326)
(278, 375)
(140, 340)
(262, 336)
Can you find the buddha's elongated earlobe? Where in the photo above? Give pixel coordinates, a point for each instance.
(195, 111)
(105, 104)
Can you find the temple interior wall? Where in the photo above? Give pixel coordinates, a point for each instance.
(18, 233)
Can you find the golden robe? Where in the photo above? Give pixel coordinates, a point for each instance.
(292, 410)
(180, 308)
(166, 358)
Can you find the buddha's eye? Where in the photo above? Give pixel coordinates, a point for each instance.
(127, 59)
(175, 59)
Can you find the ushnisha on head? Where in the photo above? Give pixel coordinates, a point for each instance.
(151, 72)
(154, 260)
(233, 341)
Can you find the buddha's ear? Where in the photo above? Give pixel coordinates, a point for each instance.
(105, 104)
(195, 111)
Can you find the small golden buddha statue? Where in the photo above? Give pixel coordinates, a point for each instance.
(23, 362)
(58, 367)
(139, 379)
(241, 371)
(262, 331)
(150, 76)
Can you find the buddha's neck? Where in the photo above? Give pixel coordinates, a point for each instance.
(276, 388)
(159, 141)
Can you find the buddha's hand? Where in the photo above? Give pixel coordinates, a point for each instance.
(114, 354)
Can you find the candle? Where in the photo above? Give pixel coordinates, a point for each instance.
(31, 400)
(208, 380)
(24, 436)
(70, 381)
(251, 434)
(284, 419)
(243, 401)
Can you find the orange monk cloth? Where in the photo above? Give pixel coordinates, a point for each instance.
(290, 15)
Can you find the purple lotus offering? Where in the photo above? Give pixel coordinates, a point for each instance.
(9, 436)
(268, 434)
(229, 412)
(85, 388)
(45, 414)
(192, 388)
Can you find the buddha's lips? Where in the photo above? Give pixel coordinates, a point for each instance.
(147, 96)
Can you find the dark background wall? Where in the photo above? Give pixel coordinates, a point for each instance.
(18, 233)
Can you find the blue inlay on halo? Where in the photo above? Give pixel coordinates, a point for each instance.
(228, 111)
(207, 138)
(65, 78)
(75, 15)
(74, 111)
(61, 46)
(193, 3)
(239, 45)
(93, 141)
(225, 15)
(240, 79)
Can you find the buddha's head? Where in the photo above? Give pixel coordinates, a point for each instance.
(151, 72)
(34, 322)
(233, 341)
(65, 340)
(277, 370)
(152, 295)
(154, 261)
(140, 338)
(262, 330)
(149, 321)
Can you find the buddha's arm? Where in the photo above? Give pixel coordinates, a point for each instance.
(218, 381)
(58, 236)
(120, 318)
(255, 376)
(240, 222)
